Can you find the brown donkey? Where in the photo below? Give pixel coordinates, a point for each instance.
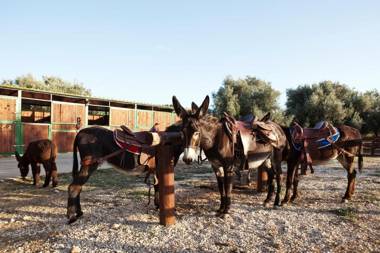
(214, 138)
(39, 152)
(344, 149)
(95, 143)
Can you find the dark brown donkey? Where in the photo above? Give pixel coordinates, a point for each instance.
(95, 143)
(323, 142)
(39, 152)
(214, 137)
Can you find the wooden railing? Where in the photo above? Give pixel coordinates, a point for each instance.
(371, 146)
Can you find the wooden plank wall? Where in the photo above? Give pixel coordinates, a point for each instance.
(33, 132)
(7, 127)
(7, 109)
(64, 141)
(122, 116)
(7, 138)
(144, 119)
(64, 124)
(65, 115)
(163, 118)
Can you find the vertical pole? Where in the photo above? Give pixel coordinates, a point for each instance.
(152, 119)
(85, 114)
(19, 136)
(262, 179)
(136, 118)
(165, 166)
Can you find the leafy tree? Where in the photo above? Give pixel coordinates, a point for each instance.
(336, 103)
(48, 83)
(371, 115)
(326, 100)
(247, 96)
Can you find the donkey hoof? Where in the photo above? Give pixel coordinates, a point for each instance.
(266, 204)
(72, 219)
(344, 200)
(218, 213)
(285, 202)
(224, 215)
(44, 185)
(79, 214)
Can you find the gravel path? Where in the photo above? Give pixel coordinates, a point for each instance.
(116, 218)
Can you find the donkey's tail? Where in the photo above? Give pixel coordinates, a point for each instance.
(75, 157)
(360, 158)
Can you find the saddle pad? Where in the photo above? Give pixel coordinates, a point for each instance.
(321, 143)
(124, 145)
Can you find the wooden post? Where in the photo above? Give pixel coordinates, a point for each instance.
(262, 179)
(165, 167)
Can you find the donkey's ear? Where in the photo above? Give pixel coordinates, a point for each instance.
(194, 107)
(266, 117)
(202, 110)
(179, 110)
(18, 157)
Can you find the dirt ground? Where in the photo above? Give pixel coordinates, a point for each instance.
(116, 218)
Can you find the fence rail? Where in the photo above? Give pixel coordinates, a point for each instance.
(371, 146)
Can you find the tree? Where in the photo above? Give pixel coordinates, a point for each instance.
(247, 96)
(49, 83)
(371, 116)
(326, 100)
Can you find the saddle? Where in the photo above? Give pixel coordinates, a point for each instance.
(136, 142)
(246, 132)
(311, 140)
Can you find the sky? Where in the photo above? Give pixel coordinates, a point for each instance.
(148, 51)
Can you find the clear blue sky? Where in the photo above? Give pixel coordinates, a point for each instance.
(150, 50)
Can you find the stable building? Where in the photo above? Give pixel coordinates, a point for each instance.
(27, 115)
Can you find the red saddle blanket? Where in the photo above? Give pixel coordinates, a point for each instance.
(123, 143)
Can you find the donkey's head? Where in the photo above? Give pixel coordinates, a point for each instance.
(22, 165)
(191, 126)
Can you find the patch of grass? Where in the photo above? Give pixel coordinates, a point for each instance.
(349, 213)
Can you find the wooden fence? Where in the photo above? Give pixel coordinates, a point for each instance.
(371, 146)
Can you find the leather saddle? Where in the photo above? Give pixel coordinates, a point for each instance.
(135, 142)
(311, 140)
(249, 130)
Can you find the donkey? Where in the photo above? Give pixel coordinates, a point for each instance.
(94, 143)
(39, 152)
(204, 131)
(345, 149)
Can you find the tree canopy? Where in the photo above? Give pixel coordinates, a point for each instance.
(247, 96)
(334, 102)
(49, 83)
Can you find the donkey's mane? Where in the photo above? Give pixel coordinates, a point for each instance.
(210, 120)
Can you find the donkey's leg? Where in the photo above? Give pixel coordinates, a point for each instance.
(292, 167)
(295, 186)
(276, 164)
(73, 205)
(228, 183)
(48, 170)
(348, 162)
(54, 173)
(219, 173)
(270, 186)
(303, 168)
(156, 196)
(36, 168)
